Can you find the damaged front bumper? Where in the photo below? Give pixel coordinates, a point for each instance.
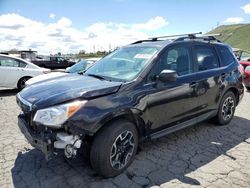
(48, 141)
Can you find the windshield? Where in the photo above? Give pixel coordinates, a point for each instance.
(81, 66)
(123, 64)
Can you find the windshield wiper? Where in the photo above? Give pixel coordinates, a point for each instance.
(97, 76)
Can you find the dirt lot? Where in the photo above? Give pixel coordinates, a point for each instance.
(202, 156)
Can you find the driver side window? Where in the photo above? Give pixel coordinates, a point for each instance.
(177, 58)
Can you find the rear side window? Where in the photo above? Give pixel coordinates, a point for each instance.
(22, 64)
(206, 57)
(226, 55)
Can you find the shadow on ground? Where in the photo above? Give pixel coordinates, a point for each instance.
(8, 92)
(161, 160)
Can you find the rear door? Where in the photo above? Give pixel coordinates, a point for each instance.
(210, 76)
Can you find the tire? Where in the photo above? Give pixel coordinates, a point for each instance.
(226, 109)
(21, 83)
(248, 88)
(117, 141)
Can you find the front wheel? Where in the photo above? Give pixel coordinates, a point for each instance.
(226, 109)
(114, 148)
(248, 88)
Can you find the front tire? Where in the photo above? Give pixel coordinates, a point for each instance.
(114, 148)
(248, 88)
(226, 109)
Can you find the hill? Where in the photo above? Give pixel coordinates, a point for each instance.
(238, 35)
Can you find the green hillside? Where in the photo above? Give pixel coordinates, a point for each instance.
(238, 35)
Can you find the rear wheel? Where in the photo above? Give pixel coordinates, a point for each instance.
(21, 83)
(114, 148)
(226, 109)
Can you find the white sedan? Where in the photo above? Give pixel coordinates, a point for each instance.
(79, 68)
(14, 72)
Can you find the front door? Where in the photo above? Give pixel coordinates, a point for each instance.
(9, 72)
(170, 103)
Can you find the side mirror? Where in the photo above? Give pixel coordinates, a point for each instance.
(168, 75)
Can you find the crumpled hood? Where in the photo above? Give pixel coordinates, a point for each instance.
(65, 88)
(44, 77)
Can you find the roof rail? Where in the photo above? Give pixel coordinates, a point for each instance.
(182, 37)
(190, 35)
(140, 41)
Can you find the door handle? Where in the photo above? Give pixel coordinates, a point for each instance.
(193, 84)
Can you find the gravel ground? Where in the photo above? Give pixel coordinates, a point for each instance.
(203, 155)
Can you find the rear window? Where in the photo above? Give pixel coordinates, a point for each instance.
(226, 55)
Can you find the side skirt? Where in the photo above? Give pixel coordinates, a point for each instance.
(182, 125)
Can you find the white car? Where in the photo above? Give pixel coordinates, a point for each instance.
(79, 68)
(14, 72)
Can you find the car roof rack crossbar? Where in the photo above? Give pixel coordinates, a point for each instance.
(190, 35)
(208, 37)
(174, 36)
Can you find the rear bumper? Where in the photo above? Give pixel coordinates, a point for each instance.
(40, 141)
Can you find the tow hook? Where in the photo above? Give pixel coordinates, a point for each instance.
(70, 143)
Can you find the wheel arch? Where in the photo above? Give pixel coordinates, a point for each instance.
(235, 92)
(126, 115)
(21, 79)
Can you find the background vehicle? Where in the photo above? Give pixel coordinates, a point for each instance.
(241, 55)
(14, 72)
(79, 68)
(244, 58)
(246, 65)
(54, 62)
(142, 91)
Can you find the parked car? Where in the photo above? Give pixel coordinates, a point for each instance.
(54, 62)
(246, 67)
(244, 58)
(79, 68)
(141, 91)
(14, 72)
(242, 55)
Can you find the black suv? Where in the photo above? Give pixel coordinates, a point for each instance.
(141, 91)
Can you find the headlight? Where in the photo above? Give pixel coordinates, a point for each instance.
(57, 115)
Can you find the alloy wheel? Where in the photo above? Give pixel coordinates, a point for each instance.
(228, 108)
(122, 150)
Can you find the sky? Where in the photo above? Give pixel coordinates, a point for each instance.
(68, 26)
